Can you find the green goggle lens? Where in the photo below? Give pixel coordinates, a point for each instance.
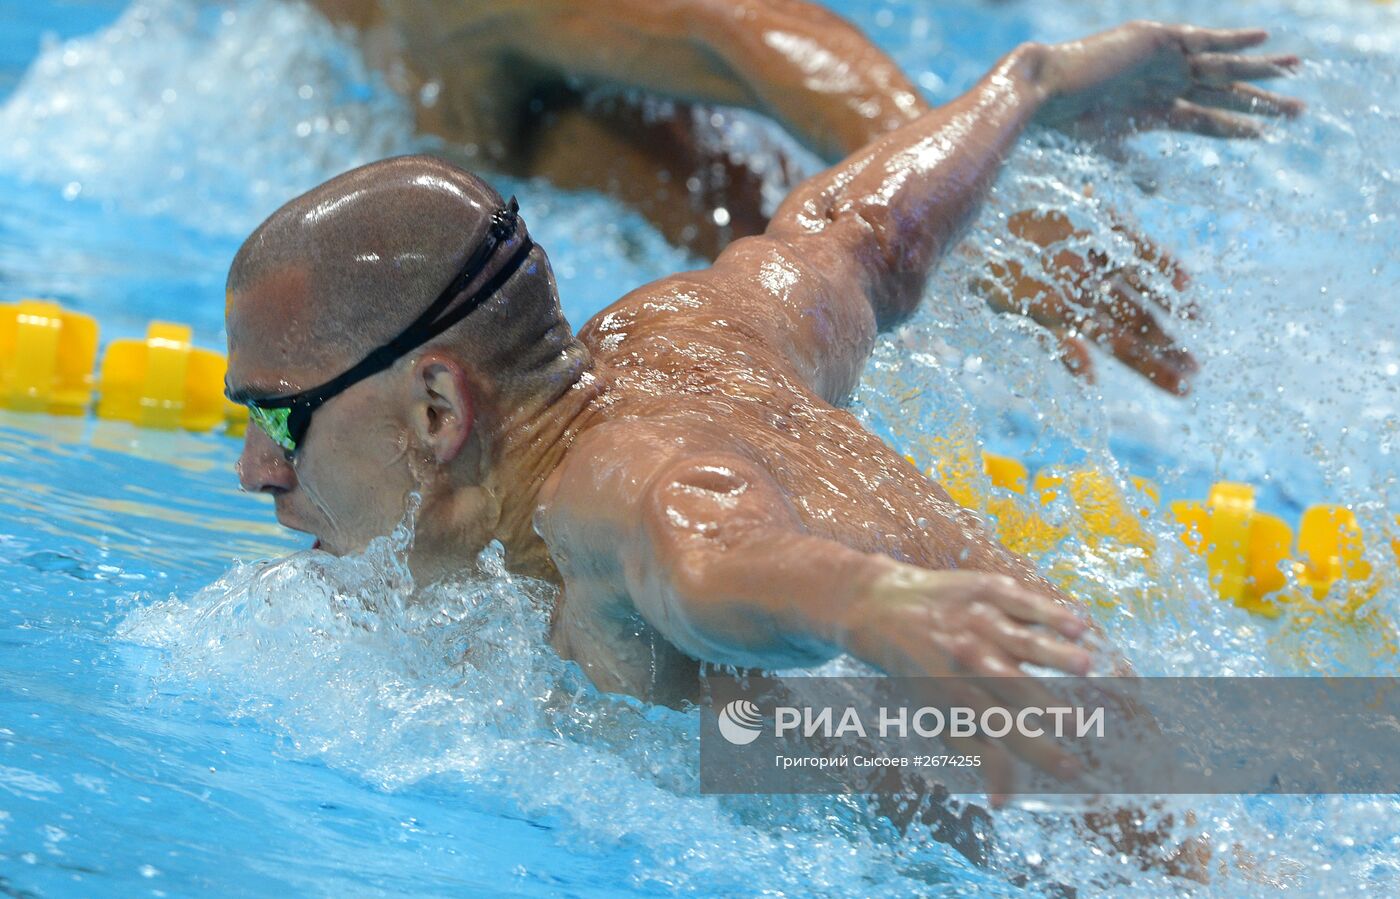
(273, 423)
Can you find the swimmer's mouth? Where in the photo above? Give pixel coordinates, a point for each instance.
(316, 544)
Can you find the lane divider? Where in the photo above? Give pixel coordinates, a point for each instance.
(48, 358)
(1251, 557)
(165, 382)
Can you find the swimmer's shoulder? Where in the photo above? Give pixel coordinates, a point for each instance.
(653, 306)
(593, 493)
(704, 316)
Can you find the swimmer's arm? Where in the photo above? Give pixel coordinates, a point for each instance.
(711, 552)
(855, 244)
(866, 233)
(801, 64)
(895, 207)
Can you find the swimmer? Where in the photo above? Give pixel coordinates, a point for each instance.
(549, 88)
(681, 467)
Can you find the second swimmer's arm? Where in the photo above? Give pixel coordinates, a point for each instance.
(795, 61)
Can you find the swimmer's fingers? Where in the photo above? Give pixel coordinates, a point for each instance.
(1112, 312)
(1206, 40)
(1125, 328)
(1123, 325)
(1167, 367)
(1009, 290)
(1052, 226)
(1221, 69)
(1196, 119)
(991, 648)
(991, 654)
(1026, 645)
(1154, 257)
(997, 771)
(1246, 98)
(1028, 606)
(1041, 228)
(993, 761)
(1006, 288)
(1140, 279)
(1073, 351)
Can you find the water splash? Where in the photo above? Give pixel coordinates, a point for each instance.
(240, 107)
(454, 690)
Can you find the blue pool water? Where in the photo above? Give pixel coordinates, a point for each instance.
(180, 716)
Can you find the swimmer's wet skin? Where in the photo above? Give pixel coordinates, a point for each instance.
(558, 89)
(681, 467)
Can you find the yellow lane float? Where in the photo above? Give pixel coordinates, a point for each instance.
(46, 358)
(1251, 557)
(164, 382)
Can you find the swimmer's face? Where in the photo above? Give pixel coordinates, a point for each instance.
(349, 480)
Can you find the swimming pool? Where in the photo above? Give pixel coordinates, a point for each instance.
(166, 728)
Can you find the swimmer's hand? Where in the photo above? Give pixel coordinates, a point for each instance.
(1142, 75)
(914, 622)
(1148, 75)
(1080, 297)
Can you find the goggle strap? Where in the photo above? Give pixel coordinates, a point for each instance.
(502, 228)
(424, 327)
(421, 331)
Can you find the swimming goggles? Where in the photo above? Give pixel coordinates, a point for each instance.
(286, 418)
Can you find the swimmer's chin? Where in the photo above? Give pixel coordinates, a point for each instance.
(316, 542)
(317, 545)
(320, 546)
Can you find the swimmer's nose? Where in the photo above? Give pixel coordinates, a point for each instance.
(263, 467)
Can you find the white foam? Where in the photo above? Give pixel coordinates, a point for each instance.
(214, 114)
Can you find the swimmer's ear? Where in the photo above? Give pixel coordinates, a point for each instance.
(442, 412)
